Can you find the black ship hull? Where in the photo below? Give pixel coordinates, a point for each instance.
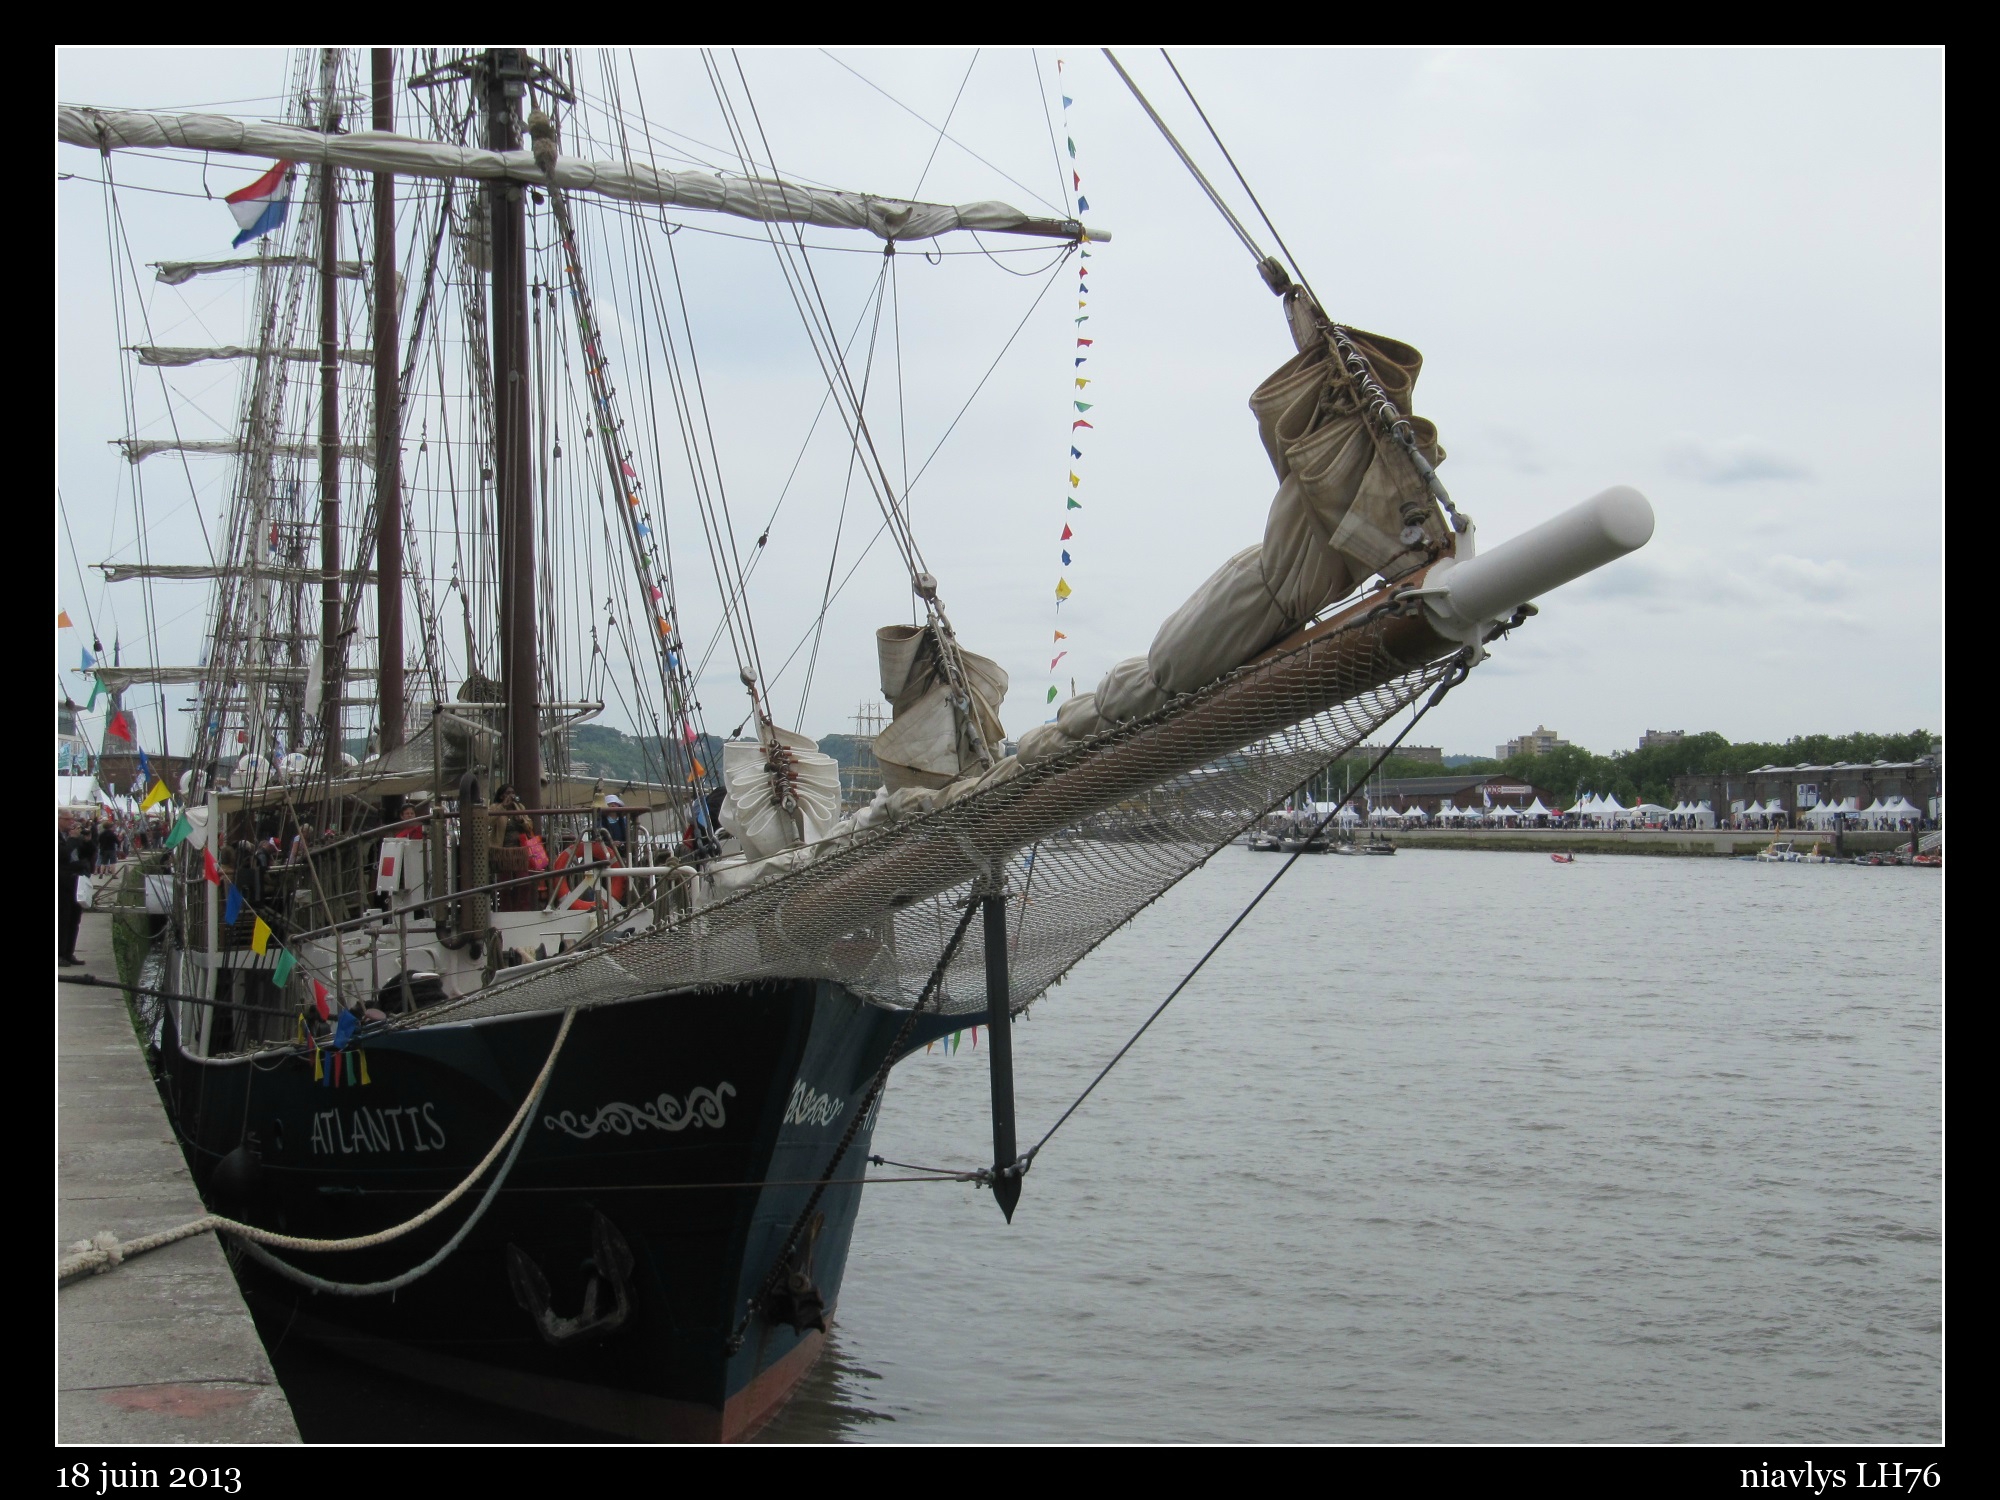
(618, 1279)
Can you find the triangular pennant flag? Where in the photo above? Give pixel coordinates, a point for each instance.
(1082, 381)
(337, 1080)
(1083, 405)
(1062, 588)
(145, 766)
(233, 907)
(1079, 422)
(1065, 557)
(1073, 480)
(282, 975)
(1067, 533)
(1082, 204)
(156, 796)
(319, 1001)
(1072, 146)
(1060, 636)
(1085, 343)
(1082, 320)
(1079, 362)
(260, 936)
(1081, 303)
(119, 727)
(181, 829)
(96, 690)
(62, 619)
(1059, 656)
(89, 661)
(1052, 695)
(1067, 101)
(1074, 503)
(209, 871)
(319, 1067)
(361, 1061)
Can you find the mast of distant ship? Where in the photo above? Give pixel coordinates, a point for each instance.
(388, 424)
(329, 437)
(503, 83)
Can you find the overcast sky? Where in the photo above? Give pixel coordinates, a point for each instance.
(1712, 275)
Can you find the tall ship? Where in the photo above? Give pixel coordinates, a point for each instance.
(558, 1088)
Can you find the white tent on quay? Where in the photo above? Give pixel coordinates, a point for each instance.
(1900, 806)
(1874, 813)
(1536, 810)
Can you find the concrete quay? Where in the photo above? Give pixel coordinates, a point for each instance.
(160, 1349)
(1720, 842)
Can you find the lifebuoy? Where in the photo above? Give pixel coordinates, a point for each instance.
(598, 852)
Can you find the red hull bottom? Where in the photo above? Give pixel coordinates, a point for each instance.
(626, 1414)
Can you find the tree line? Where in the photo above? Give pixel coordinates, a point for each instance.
(1647, 775)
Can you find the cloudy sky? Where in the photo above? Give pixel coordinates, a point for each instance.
(1712, 275)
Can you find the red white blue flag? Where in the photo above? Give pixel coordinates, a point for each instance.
(260, 207)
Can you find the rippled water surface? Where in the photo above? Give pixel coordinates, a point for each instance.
(1454, 1146)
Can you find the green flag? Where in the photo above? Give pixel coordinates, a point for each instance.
(281, 975)
(1052, 693)
(181, 829)
(96, 691)
(1074, 503)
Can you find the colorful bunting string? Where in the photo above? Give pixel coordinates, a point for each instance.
(1080, 383)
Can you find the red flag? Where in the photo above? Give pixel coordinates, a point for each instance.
(319, 1000)
(1083, 343)
(1074, 180)
(1067, 534)
(119, 727)
(209, 872)
(1079, 422)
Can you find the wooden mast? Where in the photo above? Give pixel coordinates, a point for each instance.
(329, 445)
(388, 427)
(505, 79)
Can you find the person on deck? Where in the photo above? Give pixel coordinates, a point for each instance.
(76, 856)
(511, 825)
(107, 844)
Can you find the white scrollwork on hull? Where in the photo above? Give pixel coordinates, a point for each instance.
(702, 1109)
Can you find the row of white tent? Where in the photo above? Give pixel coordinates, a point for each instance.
(1878, 814)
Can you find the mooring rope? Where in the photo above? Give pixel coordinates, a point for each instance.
(105, 1251)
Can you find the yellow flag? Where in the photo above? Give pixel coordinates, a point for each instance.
(1062, 588)
(260, 936)
(157, 795)
(1082, 381)
(1074, 481)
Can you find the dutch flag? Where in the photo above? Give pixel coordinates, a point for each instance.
(260, 207)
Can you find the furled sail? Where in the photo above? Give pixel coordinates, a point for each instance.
(766, 199)
(137, 449)
(179, 272)
(119, 678)
(179, 572)
(154, 354)
(928, 744)
(762, 779)
(1349, 505)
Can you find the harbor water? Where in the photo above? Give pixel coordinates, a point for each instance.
(1450, 1147)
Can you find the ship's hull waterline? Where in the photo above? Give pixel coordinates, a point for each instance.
(680, 1134)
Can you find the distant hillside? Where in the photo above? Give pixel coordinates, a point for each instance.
(599, 750)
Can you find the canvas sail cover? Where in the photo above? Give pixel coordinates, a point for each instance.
(927, 745)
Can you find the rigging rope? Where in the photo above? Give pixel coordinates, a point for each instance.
(1445, 685)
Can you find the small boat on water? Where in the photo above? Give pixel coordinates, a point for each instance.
(1374, 844)
(1779, 852)
(1563, 859)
